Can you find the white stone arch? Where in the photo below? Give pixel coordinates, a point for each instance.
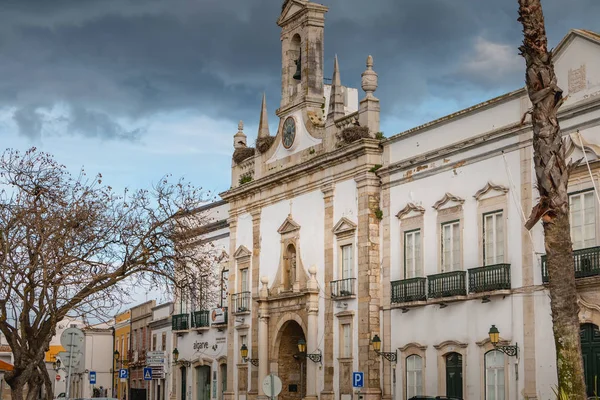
(283, 321)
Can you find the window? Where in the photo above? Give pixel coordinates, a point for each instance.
(451, 246)
(414, 376)
(347, 266)
(583, 220)
(493, 238)
(163, 345)
(128, 342)
(154, 342)
(243, 340)
(134, 340)
(346, 333)
(244, 279)
(412, 254)
(494, 375)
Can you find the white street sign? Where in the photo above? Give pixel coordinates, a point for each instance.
(72, 339)
(272, 385)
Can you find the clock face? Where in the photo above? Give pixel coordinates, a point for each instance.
(289, 132)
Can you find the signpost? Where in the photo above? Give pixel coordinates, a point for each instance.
(272, 385)
(72, 340)
(92, 377)
(358, 379)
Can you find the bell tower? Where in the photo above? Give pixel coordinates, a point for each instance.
(302, 24)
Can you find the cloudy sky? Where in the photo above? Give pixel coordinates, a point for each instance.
(139, 88)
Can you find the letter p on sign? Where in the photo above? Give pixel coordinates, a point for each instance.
(358, 379)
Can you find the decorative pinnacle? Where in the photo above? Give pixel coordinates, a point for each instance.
(336, 98)
(239, 139)
(263, 126)
(369, 79)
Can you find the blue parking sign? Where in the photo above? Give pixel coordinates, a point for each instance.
(358, 379)
(123, 373)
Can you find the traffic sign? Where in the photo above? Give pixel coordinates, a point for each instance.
(92, 377)
(358, 379)
(147, 374)
(123, 373)
(272, 385)
(57, 377)
(72, 340)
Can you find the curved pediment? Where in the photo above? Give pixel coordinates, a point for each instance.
(578, 146)
(411, 209)
(412, 345)
(242, 252)
(344, 227)
(289, 225)
(448, 343)
(490, 187)
(448, 200)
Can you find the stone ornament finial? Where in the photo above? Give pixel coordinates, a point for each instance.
(369, 79)
(239, 139)
(312, 282)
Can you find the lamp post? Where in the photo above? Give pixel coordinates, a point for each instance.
(116, 355)
(185, 363)
(509, 350)
(390, 356)
(314, 357)
(244, 354)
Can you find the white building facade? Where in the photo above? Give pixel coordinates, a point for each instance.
(339, 236)
(162, 345)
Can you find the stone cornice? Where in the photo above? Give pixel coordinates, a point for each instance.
(338, 156)
(412, 345)
(488, 188)
(410, 207)
(450, 343)
(487, 138)
(448, 197)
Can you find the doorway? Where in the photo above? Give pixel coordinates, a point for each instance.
(203, 383)
(292, 369)
(590, 349)
(223, 373)
(183, 371)
(454, 384)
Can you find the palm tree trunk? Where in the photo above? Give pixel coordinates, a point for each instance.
(552, 173)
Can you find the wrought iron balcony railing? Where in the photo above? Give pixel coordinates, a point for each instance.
(448, 284)
(200, 319)
(586, 262)
(413, 289)
(489, 278)
(181, 322)
(241, 302)
(343, 287)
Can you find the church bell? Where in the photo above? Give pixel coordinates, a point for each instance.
(298, 74)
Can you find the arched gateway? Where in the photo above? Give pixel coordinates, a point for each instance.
(291, 367)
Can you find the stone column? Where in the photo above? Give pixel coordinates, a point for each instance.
(369, 287)
(312, 339)
(254, 374)
(263, 336)
(232, 355)
(327, 393)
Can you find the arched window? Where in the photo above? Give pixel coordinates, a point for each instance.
(494, 375)
(414, 376)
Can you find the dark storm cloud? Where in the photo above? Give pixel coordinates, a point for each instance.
(106, 60)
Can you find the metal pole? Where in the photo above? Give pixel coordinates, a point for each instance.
(70, 362)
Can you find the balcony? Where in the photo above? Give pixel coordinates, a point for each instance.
(181, 322)
(586, 262)
(200, 319)
(241, 302)
(448, 284)
(343, 288)
(489, 278)
(407, 290)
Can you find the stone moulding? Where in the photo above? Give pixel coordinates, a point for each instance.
(409, 208)
(447, 197)
(412, 345)
(576, 140)
(289, 225)
(450, 343)
(488, 188)
(344, 226)
(242, 252)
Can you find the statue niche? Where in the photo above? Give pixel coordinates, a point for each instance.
(290, 274)
(289, 268)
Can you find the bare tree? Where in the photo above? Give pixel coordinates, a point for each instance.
(71, 246)
(552, 172)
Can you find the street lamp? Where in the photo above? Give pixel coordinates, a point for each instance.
(315, 357)
(175, 354)
(56, 365)
(244, 354)
(509, 350)
(390, 356)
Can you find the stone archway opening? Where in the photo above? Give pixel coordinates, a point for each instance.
(292, 369)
